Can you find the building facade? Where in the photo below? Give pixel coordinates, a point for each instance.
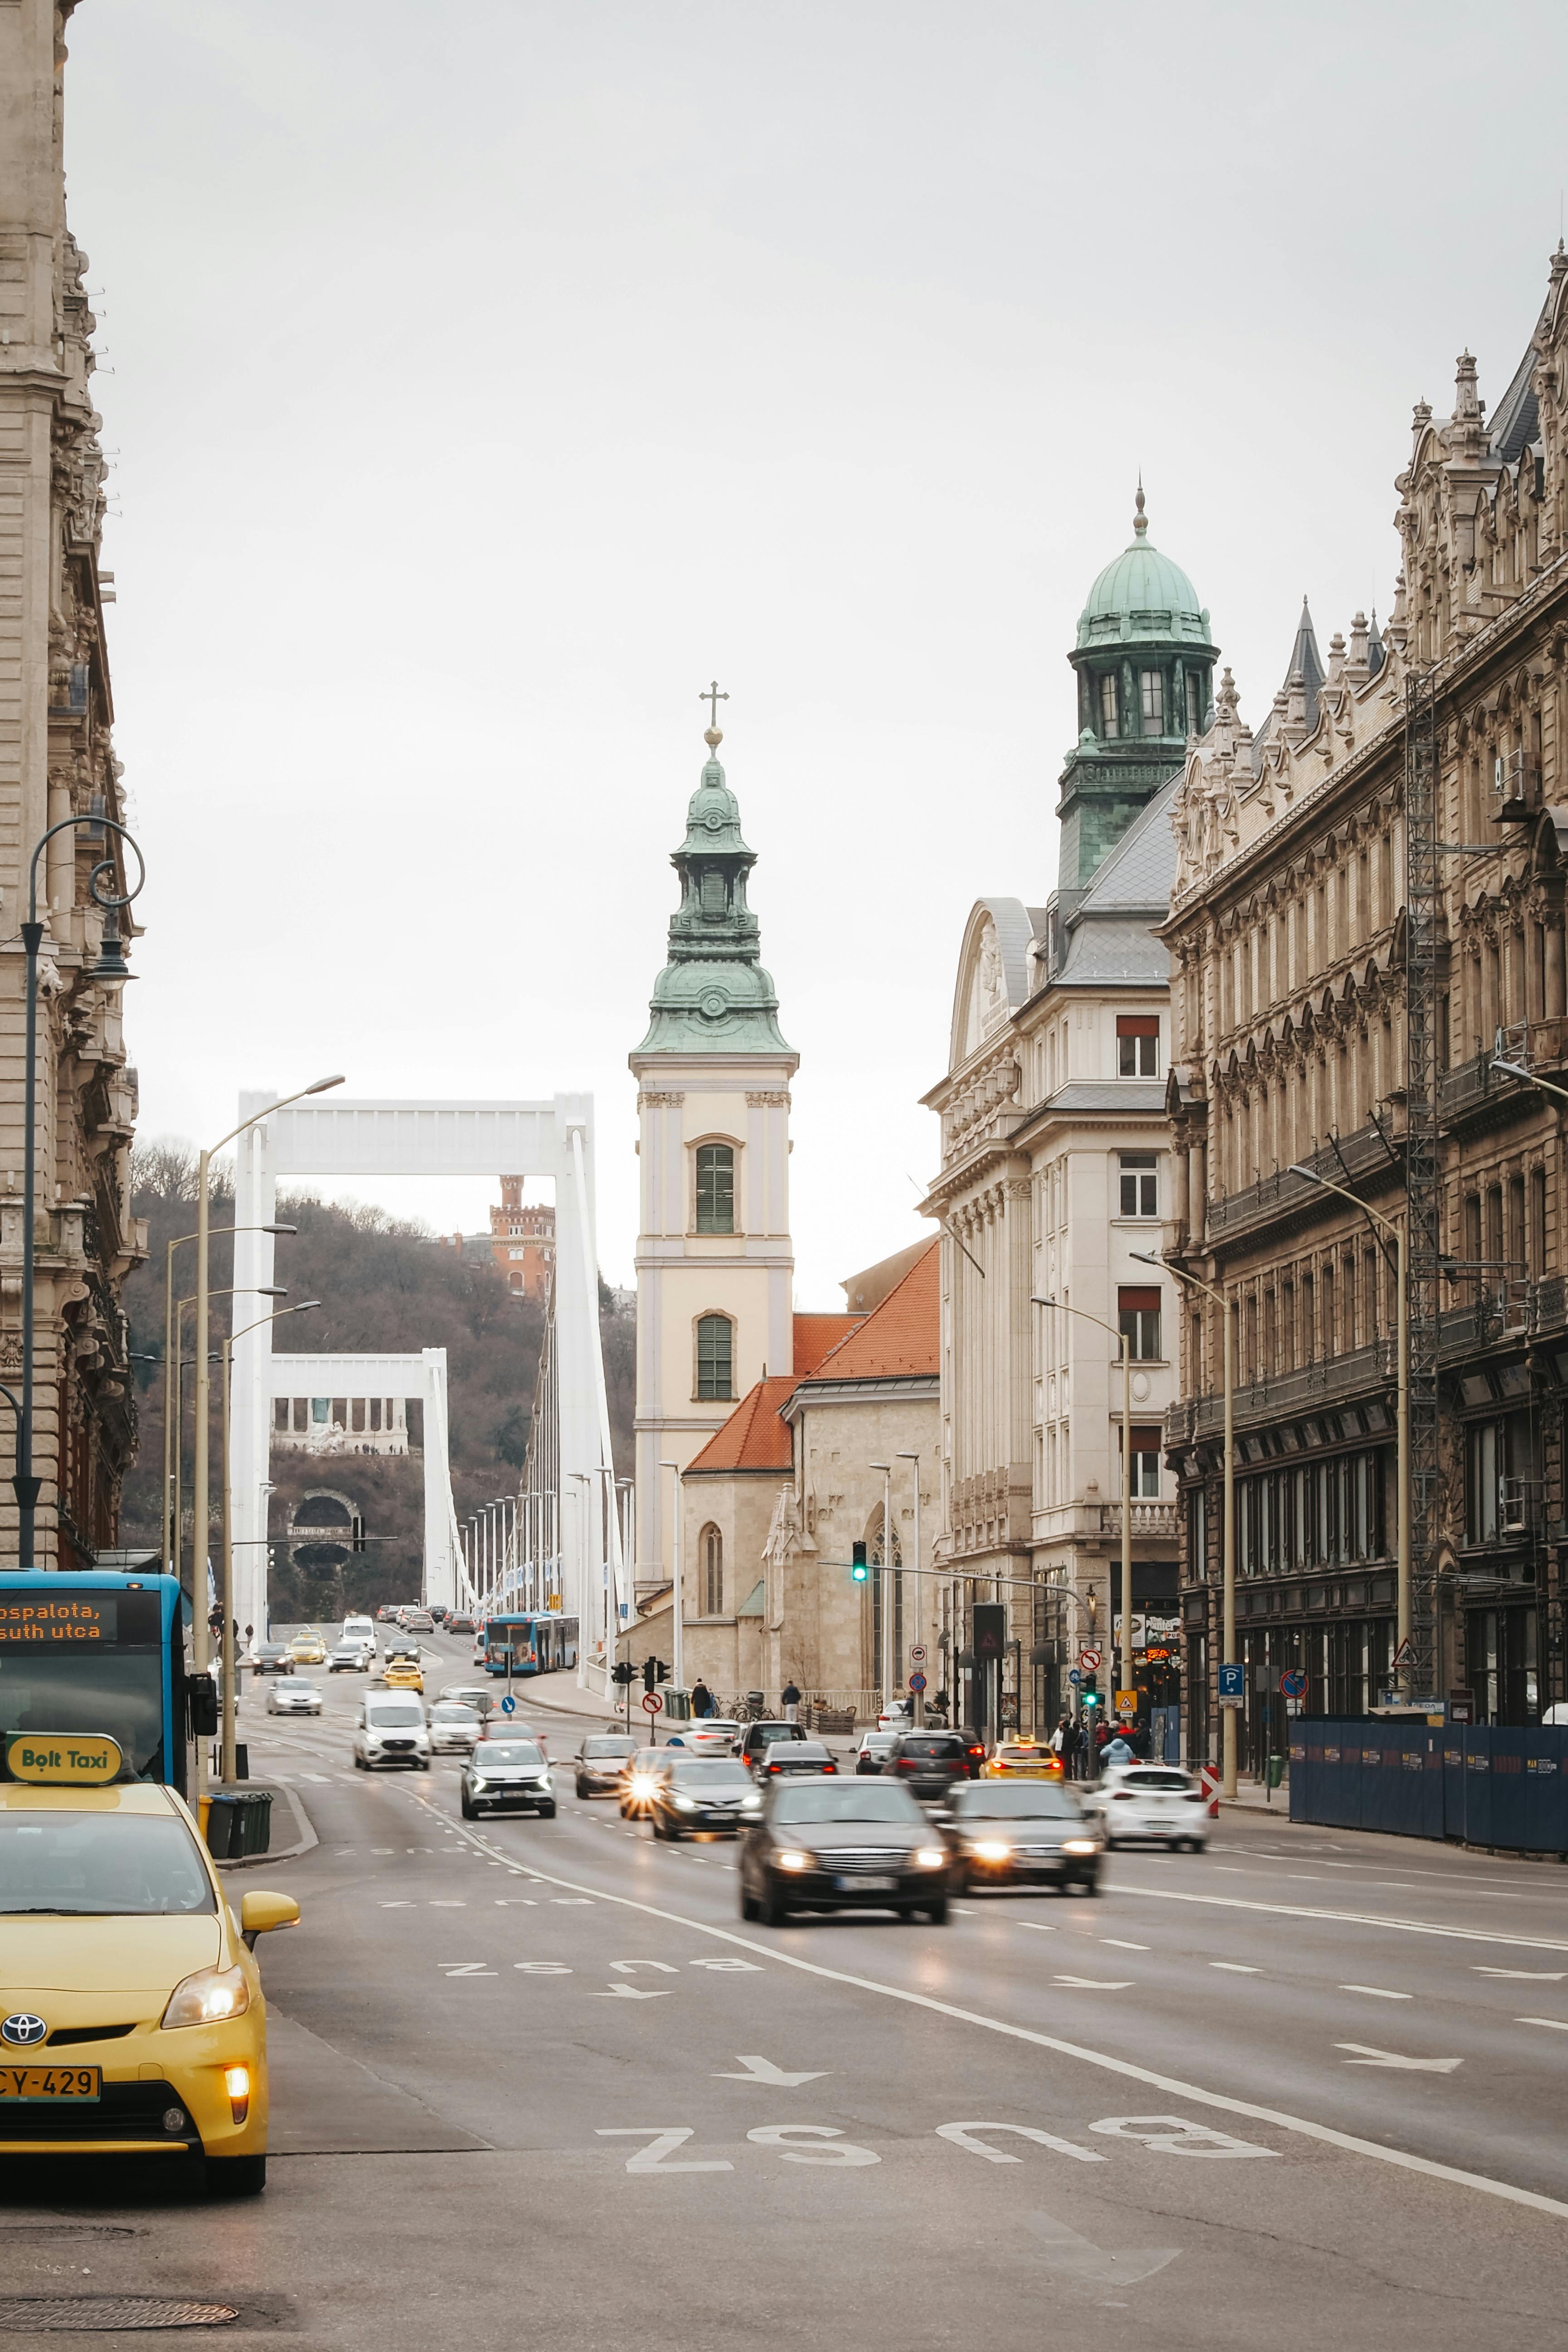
(715, 1263)
(57, 763)
(1056, 1174)
(1368, 915)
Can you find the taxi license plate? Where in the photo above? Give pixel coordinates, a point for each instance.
(50, 2081)
(867, 1885)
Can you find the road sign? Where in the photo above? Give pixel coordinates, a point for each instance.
(916, 1653)
(509, 1705)
(1088, 1660)
(1126, 1704)
(1403, 1655)
(1232, 1685)
(1293, 1682)
(1074, 1676)
(1209, 1774)
(917, 1681)
(652, 1703)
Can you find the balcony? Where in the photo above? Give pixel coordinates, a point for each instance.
(1160, 1521)
(1365, 1153)
(1357, 1372)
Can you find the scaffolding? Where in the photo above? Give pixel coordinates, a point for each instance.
(1424, 932)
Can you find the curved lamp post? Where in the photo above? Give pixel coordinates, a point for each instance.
(226, 1637)
(110, 965)
(1121, 1338)
(171, 1381)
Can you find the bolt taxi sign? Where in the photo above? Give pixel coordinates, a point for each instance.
(78, 1760)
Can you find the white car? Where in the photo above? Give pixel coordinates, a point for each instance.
(900, 1716)
(391, 1728)
(351, 1657)
(1158, 1804)
(292, 1695)
(453, 1730)
(358, 1629)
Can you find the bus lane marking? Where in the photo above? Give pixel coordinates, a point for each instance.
(1349, 1919)
(963, 2136)
(1222, 2102)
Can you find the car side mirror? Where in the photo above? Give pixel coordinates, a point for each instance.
(260, 1911)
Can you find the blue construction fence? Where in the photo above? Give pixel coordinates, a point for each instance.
(1478, 1783)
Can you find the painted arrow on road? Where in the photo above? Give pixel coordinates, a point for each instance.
(631, 1993)
(1062, 2249)
(1391, 2058)
(763, 2070)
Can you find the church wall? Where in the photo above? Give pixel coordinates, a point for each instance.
(826, 1642)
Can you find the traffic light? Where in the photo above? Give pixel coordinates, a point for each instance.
(623, 1672)
(356, 1538)
(663, 1671)
(859, 1572)
(650, 1673)
(1089, 1695)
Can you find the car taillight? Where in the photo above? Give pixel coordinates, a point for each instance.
(775, 1768)
(830, 1768)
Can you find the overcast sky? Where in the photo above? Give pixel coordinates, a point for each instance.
(489, 374)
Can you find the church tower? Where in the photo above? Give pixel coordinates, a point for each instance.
(715, 1263)
(1145, 674)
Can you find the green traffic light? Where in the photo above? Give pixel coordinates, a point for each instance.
(859, 1570)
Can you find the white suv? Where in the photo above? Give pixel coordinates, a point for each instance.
(1157, 1803)
(390, 1729)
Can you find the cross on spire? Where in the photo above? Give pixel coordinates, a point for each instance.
(712, 696)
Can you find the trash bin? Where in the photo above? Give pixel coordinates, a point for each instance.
(1276, 1770)
(253, 1823)
(222, 1824)
(677, 1704)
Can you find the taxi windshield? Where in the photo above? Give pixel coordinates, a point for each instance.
(94, 1865)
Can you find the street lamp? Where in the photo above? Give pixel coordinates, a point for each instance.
(1227, 1307)
(1120, 1337)
(920, 1696)
(885, 1584)
(678, 1597)
(174, 1499)
(201, 1498)
(171, 1350)
(225, 1638)
(1401, 1394)
(110, 966)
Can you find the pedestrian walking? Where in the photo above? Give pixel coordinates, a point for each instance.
(701, 1698)
(790, 1697)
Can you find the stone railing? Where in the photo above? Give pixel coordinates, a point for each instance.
(1162, 1519)
(1330, 1382)
(1365, 1153)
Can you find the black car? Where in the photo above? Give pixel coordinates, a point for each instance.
(600, 1763)
(460, 1625)
(702, 1792)
(931, 1763)
(786, 1756)
(270, 1658)
(832, 1846)
(760, 1736)
(1024, 1833)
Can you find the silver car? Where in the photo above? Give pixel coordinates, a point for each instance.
(292, 1695)
(508, 1771)
(351, 1657)
(453, 1730)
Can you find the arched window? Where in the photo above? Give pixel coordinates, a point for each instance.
(715, 1356)
(715, 1188)
(710, 1555)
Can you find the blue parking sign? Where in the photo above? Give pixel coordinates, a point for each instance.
(1233, 1682)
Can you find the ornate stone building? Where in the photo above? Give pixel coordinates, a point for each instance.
(56, 761)
(1056, 1170)
(1325, 1015)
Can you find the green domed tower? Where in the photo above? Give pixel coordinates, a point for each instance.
(1145, 671)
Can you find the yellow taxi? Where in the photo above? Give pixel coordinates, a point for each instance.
(1022, 1760)
(131, 2016)
(403, 1674)
(308, 1650)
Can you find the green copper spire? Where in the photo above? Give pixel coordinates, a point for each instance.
(713, 996)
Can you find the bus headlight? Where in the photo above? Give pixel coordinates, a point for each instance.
(207, 1998)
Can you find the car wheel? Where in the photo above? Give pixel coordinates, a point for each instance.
(772, 1911)
(937, 1913)
(471, 1810)
(547, 1812)
(236, 2176)
(582, 1791)
(749, 1907)
(1091, 1886)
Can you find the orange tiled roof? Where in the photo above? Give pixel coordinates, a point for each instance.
(902, 1335)
(814, 1335)
(753, 1438)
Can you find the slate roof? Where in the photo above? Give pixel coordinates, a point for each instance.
(1108, 931)
(1516, 420)
(1126, 1094)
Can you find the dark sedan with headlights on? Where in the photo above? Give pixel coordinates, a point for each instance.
(841, 1845)
(785, 1758)
(602, 1763)
(702, 1793)
(1024, 1833)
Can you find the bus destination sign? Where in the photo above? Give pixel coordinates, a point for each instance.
(79, 1619)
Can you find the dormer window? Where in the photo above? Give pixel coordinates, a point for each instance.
(1110, 717)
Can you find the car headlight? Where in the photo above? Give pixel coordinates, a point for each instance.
(929, 1857)
(992, 1850)
(751, 1805)
(686, 1804)
(1079, 1845)
(207, 1998)
(791, 1858)
(641, 1785)
(478, 1781)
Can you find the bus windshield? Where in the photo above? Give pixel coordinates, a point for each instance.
(119, 1692)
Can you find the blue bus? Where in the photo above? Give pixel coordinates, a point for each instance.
(93, 1651)
(531, 1643)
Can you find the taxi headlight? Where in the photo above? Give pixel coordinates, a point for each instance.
(791, 1858)
(208, 1998)
(993, 1850)
(1079, 1845)
(929, 1857)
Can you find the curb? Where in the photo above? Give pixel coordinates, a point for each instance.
(302, 1844)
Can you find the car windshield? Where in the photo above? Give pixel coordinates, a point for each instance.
(917, 1746)
(1147, 1780)
(463, 1715)
(807, 1751)
(849, 1800)
(505, 1752)
(767, 1732)
(591, 1748)
(101, 1863)
(398, 1718)
(988, 1801)
(716, 1774)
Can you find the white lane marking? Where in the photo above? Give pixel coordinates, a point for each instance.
(1174, 2135)
(405, 1903)
(447, 1903)
(1093, 1984)
(624, 1968)
(732, 1964)
(1349, 1919)
(655, 2156)
(1280, 2117)
(1369, 2057)
(1040, 1926)
(1123, 1944)
(464, 1969)
(812, 2143)
(1236, 1968)
(763, 2070)
(1523, 1976)
(1378, 1992)
(964, 1910)
(543, 1968)
(1558, 2024)
(631, 1993)
(570, 1898)
(515, 1903)
(1063, 2249)
(383, 1849)
(961, 2135)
